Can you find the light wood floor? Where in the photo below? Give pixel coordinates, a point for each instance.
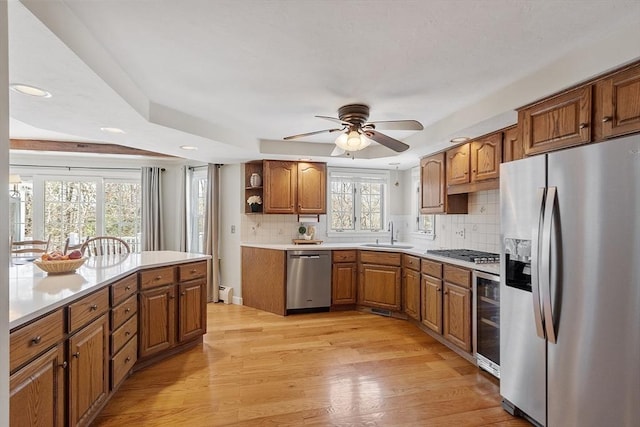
(326, 369)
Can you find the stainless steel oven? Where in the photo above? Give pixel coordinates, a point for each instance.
(486, 324)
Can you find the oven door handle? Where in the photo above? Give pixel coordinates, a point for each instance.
(535, 266)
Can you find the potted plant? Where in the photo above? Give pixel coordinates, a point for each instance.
(254, 203)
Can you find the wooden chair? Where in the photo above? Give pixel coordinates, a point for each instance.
(69, 247)
(105, 245)
(26, 248)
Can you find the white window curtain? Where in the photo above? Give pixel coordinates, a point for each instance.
(152, 238)
(211, 230)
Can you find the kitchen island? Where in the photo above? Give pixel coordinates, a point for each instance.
(76, 337)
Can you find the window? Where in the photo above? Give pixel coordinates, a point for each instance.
(358, 200)
(424, 224)
(77, 207)
(197, 210)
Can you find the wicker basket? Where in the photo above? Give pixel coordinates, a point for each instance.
(59, 267)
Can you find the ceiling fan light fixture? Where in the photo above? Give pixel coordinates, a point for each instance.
(352, 141)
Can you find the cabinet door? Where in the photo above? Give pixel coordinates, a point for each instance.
(486, 156)
(312, 188)
(457, 316)
(512, 145)
(432, 303)
(560, 122)
(280, 187)
(411, 293)
(343, 281)
(88, 370)
(432, 184)
(157, 320)
(380, 286)
(192, 319)
(37, 391)
(621, 103)
(458, 165)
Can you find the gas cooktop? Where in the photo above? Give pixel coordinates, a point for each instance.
(468, 255)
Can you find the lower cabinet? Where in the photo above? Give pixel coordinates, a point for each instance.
(457, 316)
(344, 277)
(192, 310)
(157, 320)
(380, 280)
(432, 303)
(88, 353)
(37, 391)
(411, 286)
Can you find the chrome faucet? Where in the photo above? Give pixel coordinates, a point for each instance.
(391, 230)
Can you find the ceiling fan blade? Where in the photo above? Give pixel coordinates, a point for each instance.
(337, 151)
(396, 125)
(333, 119)
(385, 140)
(301, 135)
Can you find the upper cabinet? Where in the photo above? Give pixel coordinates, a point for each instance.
(475, 166)
(280, 187)
(458, 164)
(486, 156)
(312, 188)
(433, 188)
(288, 187)
(512, 145)
(618, 103)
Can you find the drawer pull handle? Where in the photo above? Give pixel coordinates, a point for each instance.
(94, 307)
(64, 365)
(183, 293)
(194, 271)
(76, 354)
(606, 119)
(127, 288)
(127, 360)
(126, 310)
(582, 125)
(127, 333)
(158, 278)
(36, 340)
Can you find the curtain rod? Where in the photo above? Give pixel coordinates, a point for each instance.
(204, 166)
(69, 168)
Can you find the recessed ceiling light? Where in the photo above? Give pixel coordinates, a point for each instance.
(459, 139)
(188, 147)
(394, 164)
(30, 90)
(305, 159)
(112, 130)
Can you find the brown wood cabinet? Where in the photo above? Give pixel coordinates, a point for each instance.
(312, 188)
(486, 156)
(264, 288)
(344, 277)
(458, 165)
(249, 190)
(558, 122)
(457, 315)
(380, 280)
(431, 301)
(512, 145)
(36, 392)
(280, 187)
(619, 108)
(411, 286)
(433, 188)
(171, 314)
(88, 353)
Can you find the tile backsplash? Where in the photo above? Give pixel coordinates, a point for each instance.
(479, 229)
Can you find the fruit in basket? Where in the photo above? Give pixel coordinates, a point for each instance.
(76, 254)
(54, 256)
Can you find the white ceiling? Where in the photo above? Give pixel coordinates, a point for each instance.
(233, 77)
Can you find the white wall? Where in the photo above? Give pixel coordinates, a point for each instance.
(231, 204)
(4, 225)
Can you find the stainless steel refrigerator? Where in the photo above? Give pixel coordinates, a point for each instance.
(570, 286)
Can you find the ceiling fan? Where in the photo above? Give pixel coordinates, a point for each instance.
(357, 132)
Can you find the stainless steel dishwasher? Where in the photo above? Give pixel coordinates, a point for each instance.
(308, 281)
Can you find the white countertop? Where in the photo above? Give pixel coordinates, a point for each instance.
(32, 292)
(415, 251)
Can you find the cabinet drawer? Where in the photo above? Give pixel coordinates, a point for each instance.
(457, 275)
(123, 361)
(123, 334)
(31, 340)
(88, 308)
(411, 262)
(192, 271)
(122, 312)
(380, 258)
(157, 277)
(343, 256)
(432, 268)
(124, 288)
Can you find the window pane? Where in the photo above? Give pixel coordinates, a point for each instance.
(122, 212)
(342, 205)
(69, 207)
(371, 211)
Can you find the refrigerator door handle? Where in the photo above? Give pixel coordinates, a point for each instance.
(535, 273)
(545, 272)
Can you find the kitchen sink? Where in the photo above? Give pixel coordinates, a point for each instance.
(386, 245)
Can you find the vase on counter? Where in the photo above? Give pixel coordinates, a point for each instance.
(255, 180)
